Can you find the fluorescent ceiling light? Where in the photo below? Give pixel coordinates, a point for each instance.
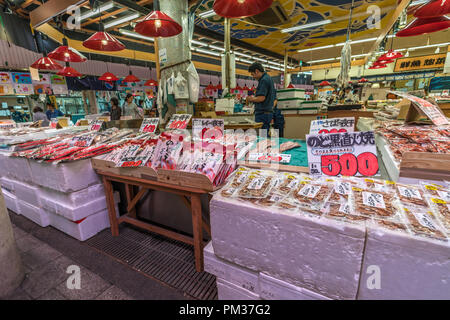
(96, 11)
(207, 14)
(307, 26)
(417, 2)
(115, 22)
(259, 59)
(321, 60)
(317, 48)
(135, 35)
(199, 43)
(207, 52)
(216, 47)
(245, 61)
(241, 54)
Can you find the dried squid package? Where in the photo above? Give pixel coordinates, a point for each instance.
(272, 199)
(257, 185)
(437, 191)
(342, 211)
(373, 204)
(341, 191)
(312, 193)
(441, 208)
(422, 222)
(409, 195)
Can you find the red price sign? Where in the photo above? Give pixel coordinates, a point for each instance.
(96, 125)
(332, 131)
(366, 164)
(149, 125)
(179, 121)
(131, 164)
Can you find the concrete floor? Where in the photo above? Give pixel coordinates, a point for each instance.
(47, 253)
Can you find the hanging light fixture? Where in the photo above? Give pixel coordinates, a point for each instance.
(324, 83)
(363, 80)
(46, 63)
(382, 61)
(378, 66)
(157, 24)
(433, 9)
(131, 77)
(391, 55)
(66, 53)
(151, 83)
(108, 76)
(219, 86)
(424, 25)
(103, 41)
(246, 88)
(240, 8)
(68, 71)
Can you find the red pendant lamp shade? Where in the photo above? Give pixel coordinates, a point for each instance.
(103, 41)
(69, 72)
(158, 24)
(378, 66)
(219, 86)
(433, 9)
(239, 88)
(131, 78)
(426, 25)
(240, 8)
(291, 86)
(210, 87)
(66, 53)
(382, 61)
(324, 83)
(151, 83)
(46, 63)
(108, 76)
(390, 55)
(363, 80)
(245, 88)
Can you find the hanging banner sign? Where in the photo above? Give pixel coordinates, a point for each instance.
(432, 111)
(342, 154)
(335, 125)
(179, 121)
(418, 63)
(272, 158)
(208, 129)
(96, 125)
(149, 125)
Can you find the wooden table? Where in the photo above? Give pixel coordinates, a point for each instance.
(190, 196)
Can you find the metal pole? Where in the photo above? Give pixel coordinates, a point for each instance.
(285, 69)
(227, 54)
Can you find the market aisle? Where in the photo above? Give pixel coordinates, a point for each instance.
(47, 253)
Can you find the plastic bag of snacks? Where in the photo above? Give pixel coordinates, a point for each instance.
(442, 209)
(373, 203)
(437, 191)
(394, 225)
(257, 185)
(287, 183)
(287, 204)
(409, 195)
(341, 191)
(342, 211)
(271, 199)
(371, 184)
(312, 193)
(423, 222)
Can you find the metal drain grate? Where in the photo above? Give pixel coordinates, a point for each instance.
(169, 261)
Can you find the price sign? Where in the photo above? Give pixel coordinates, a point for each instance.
(342, 154)
(54, 123)
(335, 125)
(83, 141)
(129, 157)
(277, 158)
(179, 121)
(208, 129)
(432, 111)
(8, 124)
(149, 125)
(96, 125)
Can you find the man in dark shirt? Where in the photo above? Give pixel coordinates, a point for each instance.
(264, 96)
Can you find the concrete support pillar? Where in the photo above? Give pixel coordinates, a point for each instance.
(11, 268)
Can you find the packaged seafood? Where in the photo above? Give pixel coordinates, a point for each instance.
(423, 222)
(257, 185)
(373, 203)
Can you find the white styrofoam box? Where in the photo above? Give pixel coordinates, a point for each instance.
(77, 212)
(225, 105)
(83, 230)
(35, 214)
(308, 111)
(290, 93)
(312, 104)
(8, 185)
(320, 255)
(77, 198)
(28, 193)
(11, 202)
(239, 276)
(229, 291)
(275, 289)
(289, 111)
(19, 169)
(416, 182)
(64, 177)
(290, 103)
(409, 267)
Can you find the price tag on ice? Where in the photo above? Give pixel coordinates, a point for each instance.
(178, 121)
(342, 154)
(149, 125)
(96, 125)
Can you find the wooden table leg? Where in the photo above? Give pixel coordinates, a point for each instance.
(111, 207)
(198, 233)
(130, 195)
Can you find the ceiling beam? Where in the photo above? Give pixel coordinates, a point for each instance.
(325, 66)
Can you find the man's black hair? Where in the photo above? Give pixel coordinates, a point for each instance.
(256, 66)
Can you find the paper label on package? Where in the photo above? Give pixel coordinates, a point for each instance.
(409, 193)
(309, 191)
(373, 200)
(343, 188)
(293, 184)
(345, 208)
(425, 220)
(230, 191)
(256, 183)
(276, 198)
(444, 195)
(242, 176)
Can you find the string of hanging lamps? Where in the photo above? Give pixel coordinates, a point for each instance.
(67, 54)
(240, 8)
(131, 78)
(108, 76)
(157, 24)
(151, 82)
(45, 63)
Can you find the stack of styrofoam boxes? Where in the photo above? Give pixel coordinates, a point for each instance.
(226, 105)
(310, 107)
(401, 266)
(296, 256)
(69, 196)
